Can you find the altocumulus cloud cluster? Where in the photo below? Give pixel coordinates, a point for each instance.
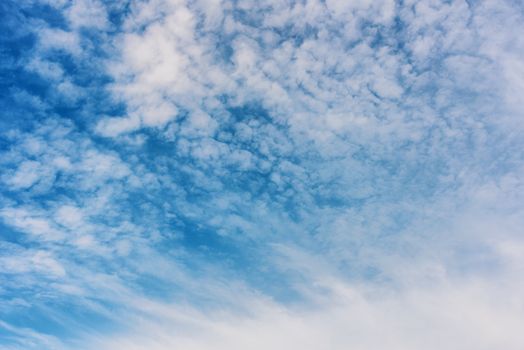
(222, 174)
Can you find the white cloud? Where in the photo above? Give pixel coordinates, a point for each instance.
(369, 167)
(69, 216)
(46, 69)
(461, 316)
(87, 13)
(27, 174)
(33, 223)
(39, 261)
(116, 126)
(57, 39)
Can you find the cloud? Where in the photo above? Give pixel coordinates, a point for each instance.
(216, 174)
(57, 39)
(421, 318)
(88, 13)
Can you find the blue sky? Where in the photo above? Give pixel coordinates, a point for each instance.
(214, 174)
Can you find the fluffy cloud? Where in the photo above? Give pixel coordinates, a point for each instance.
(281, 174)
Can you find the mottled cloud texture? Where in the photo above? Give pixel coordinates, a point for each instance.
(214, 174)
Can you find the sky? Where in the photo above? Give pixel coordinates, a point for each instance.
(223, 174)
